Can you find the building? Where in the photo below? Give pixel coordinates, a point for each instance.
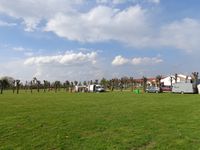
(169, 80)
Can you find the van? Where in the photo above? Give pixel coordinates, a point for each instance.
(183, 87)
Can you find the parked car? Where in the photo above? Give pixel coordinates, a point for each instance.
(166, 88)
(99, 88)
(153, 89)
(95, 88)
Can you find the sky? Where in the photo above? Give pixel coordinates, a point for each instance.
(91, 39)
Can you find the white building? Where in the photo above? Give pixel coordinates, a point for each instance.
(180, 78)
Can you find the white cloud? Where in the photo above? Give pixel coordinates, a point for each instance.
(116, 2)
(102, 24)
(119, 61)
(69, 58)
(6, 24)
(33, 11)
(26, 51)
(19, 49)
(132, 26)
(154, 1)
(69, 66)
(184, 34)
(146, 60)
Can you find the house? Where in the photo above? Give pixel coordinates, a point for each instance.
(150, 81)
(169, 80)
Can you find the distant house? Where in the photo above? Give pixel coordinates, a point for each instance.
(167, 81)
(150, 81)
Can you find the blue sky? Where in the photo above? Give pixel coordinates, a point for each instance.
(84, 39)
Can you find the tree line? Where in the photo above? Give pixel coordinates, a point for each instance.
(123, 83)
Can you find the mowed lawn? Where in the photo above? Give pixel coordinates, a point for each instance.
(99, 121)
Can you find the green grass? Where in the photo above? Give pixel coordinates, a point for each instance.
(92, 121)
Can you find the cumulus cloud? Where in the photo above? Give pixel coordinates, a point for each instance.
(184, 34)
(69, 58)
(69, 66)
(102, 24)
(85, 71)
(33, 12)
(119, 61)
(131, 26)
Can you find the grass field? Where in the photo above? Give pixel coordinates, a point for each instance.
(106, 121)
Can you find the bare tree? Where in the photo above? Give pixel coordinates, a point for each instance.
(37, 83)
(45, 85)
(132, 82)
(3, 84)
(158, 80)
(96, 81)
(26, 86)
(71, 87)
(121, 84)
(67, 85)
(57, 85)
(38, 86)
(18, 85)
(176, 77)
(144, 80)
(112, 84)
(31, 86)
(171, 80)
(195, 76)
(75, 83)
(13, 86)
